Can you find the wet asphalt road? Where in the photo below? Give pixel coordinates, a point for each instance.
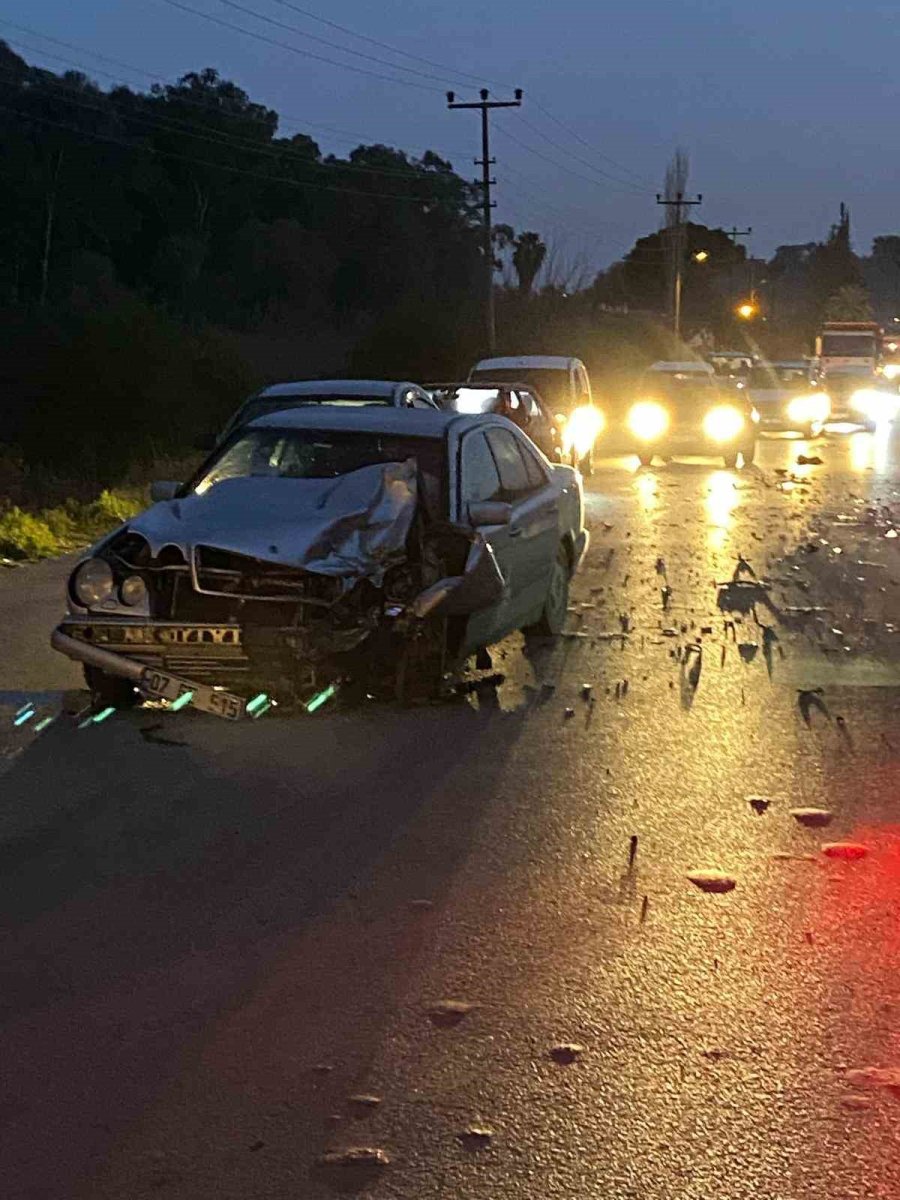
(213, 937)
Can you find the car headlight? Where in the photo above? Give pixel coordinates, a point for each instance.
(132, 591)
(648, 420)
(582, 429)
(813, 408)
(876, 405)
(92, 582)
(723, 423)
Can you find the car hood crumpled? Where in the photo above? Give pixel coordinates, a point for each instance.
(352, 527)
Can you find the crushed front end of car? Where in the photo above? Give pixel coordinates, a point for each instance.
(277, 587)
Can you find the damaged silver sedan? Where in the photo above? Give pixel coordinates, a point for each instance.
(378, 548)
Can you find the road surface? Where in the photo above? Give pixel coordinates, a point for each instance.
(215, 937)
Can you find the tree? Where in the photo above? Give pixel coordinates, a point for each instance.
(849, 303)
(528, 257)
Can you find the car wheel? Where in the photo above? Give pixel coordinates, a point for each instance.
(731, 459)
(646, 460)
(749, 454)
(586, 466)
(553, 618)
(110, 690)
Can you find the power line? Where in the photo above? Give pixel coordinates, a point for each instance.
(577, 136)
(251, 12)
(304, 12)
(614, 179)
(260, 37)
(222, 138)
(559, 166)
(384, 45)
(284, 119)
(156, 152)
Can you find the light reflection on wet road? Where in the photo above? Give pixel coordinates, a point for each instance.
(194, 934)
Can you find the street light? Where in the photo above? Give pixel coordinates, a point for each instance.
(701, 256)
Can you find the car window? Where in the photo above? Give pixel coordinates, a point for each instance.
(536, 472)
(480, 478)
(510, 463)
(529, 404)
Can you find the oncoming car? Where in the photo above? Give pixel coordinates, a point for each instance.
(322, 545)
(565, 389)
(338, 393)
(687, 413)
(786, 398)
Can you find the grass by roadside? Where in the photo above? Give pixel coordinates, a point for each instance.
(41, 517)
(28, 536)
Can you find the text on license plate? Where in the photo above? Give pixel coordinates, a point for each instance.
(164, 686)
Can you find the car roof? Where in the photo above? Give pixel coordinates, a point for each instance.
(411, 422)
(547, 361)
(333, 387)
(682, 368)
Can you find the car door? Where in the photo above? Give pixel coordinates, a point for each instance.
(533, 530)
(479, 480)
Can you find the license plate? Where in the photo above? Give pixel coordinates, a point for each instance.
(164, 686)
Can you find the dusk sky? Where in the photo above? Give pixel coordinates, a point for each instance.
(784, 109)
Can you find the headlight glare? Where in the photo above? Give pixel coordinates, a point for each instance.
(648, 420)
(813, 408)
(723, 423)
(132, 590)
(876, 405)
(92, 582)
(582, 429)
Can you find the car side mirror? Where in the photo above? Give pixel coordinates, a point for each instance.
(164, 489)
(490, 512)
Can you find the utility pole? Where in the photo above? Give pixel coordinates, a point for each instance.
(484, 105)
(734, 233)
(679, 204)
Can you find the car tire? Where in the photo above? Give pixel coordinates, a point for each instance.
(731, 460)
(586, 466)
(646, 460)
(749, 454)
(110, 690)
(556, 605)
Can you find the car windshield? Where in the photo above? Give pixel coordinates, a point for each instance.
(794, 378)
(317, 454)
(551, 383)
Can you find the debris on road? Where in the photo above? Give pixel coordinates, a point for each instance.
(353, 1169)
(809, 460)
(850, 851)
(810, 698)
(476, 1137)
(569, 712)
(421, 905)
(448, 1013)
(759, 804)
(645, 906)
(586, 690)
(712, 881)
(814, 818)
(747, 651)
(857, 1102)
(363, 1103)
(566, 1053)
(632, 850)
(874, 1077)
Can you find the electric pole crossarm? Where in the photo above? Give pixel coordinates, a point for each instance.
(484, 105)
(679, 204)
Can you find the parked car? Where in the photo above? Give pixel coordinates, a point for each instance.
(323, 544)
(565, 388)
(676, 413)
(787, 398)
(342, 393)
(517, 401)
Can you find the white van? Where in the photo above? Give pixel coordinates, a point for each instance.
(564, 387)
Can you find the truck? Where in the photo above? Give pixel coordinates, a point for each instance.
(851, 346)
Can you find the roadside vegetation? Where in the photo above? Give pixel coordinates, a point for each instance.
(164, 253)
